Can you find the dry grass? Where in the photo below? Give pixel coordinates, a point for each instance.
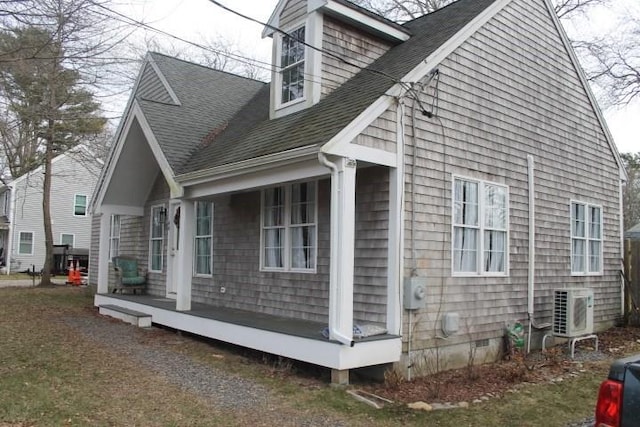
(49, 375)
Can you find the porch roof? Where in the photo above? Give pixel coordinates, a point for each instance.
(251, 133)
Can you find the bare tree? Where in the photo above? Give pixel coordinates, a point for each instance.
(51, 57)
(631, 192)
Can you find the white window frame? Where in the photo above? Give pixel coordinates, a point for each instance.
(587, 238)
(20, 242)
(73, 239)
(161, 212)
(481, 227)
(197, 236)
(75, 203)
(114, 239)
(287, 226)
(279, 73)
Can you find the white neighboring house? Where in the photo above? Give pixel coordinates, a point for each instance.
(21, 221)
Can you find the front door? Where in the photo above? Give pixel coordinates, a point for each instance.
(173, 250)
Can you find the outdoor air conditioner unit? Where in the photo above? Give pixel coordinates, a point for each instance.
(572, 312)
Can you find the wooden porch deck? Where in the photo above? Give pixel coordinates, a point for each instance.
(284, 325)
(293, 338)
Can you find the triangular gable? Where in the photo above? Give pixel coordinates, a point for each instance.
(342, 144)
(274, 19)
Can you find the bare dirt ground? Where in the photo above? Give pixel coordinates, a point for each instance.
(493, 380)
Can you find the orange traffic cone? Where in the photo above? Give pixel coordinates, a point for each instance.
(70, 273)
(77, 279)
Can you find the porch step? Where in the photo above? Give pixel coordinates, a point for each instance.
(137, 318)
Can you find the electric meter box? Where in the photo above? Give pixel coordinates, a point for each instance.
(415, 292)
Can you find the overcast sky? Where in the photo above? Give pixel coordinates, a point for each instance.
(197, 20)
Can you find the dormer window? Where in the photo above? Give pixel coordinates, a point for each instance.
(292, 57)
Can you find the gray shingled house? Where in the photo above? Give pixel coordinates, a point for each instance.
(397, 191)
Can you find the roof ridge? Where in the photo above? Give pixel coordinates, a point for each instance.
(154, 53)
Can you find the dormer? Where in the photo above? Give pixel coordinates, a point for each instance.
(320, 44)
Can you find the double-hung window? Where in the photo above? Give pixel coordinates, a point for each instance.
(25, 245)
(292, 58)
(586, 238)
(480, 224)
(114, 236)
(156, 238)
(80, 205)
(203, 239)
(289, 227)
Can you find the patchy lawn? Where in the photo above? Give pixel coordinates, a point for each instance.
(51, 375)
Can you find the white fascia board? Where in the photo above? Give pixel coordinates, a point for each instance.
(274, 19)
(120, 210)
(366, 20)
(585, 83)
(366, 154)
(164, 81)
(364, 119)
(319, 352)
(287, 172)
(247, 166)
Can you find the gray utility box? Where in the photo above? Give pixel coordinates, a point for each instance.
(415, 292)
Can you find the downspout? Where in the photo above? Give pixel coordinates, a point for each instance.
(531, 286)
(622, 248)
(334, 303)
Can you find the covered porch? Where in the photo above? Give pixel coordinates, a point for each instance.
(293, 338)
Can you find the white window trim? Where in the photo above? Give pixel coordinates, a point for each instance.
(587, 239)
(152, 239)
(68, 234)
(278, 74)
(33, 243)
(481, 228)
(196, 236)
(287, 231)
(86, 206)
(112, 236)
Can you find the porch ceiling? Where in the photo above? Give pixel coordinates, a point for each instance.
(134, 173)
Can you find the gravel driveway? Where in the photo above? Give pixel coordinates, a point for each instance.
(224, 390)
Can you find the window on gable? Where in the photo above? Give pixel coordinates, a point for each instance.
(114, 236)
(292, 58)
(67, 239)
(480, 221)
(289, 231)
(25, 246)
(80, 205)
(156, 238)
(203, 239)
(586, 238)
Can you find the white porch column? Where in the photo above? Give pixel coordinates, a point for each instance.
(185, 261)
(394, 262)
(344, 204)
(103, 253)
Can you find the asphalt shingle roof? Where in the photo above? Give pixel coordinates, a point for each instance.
(251, 134)
(208, 100)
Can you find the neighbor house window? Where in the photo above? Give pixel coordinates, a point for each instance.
(156, 238)
(114, 236)
(289, 227)
(480, 221)
(203, 239)
(80, 205)
(292, 53)
(67, 239)
(586, 238)
(25, 243)
(6, 197)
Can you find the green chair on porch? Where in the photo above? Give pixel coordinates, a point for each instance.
(128, 276)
